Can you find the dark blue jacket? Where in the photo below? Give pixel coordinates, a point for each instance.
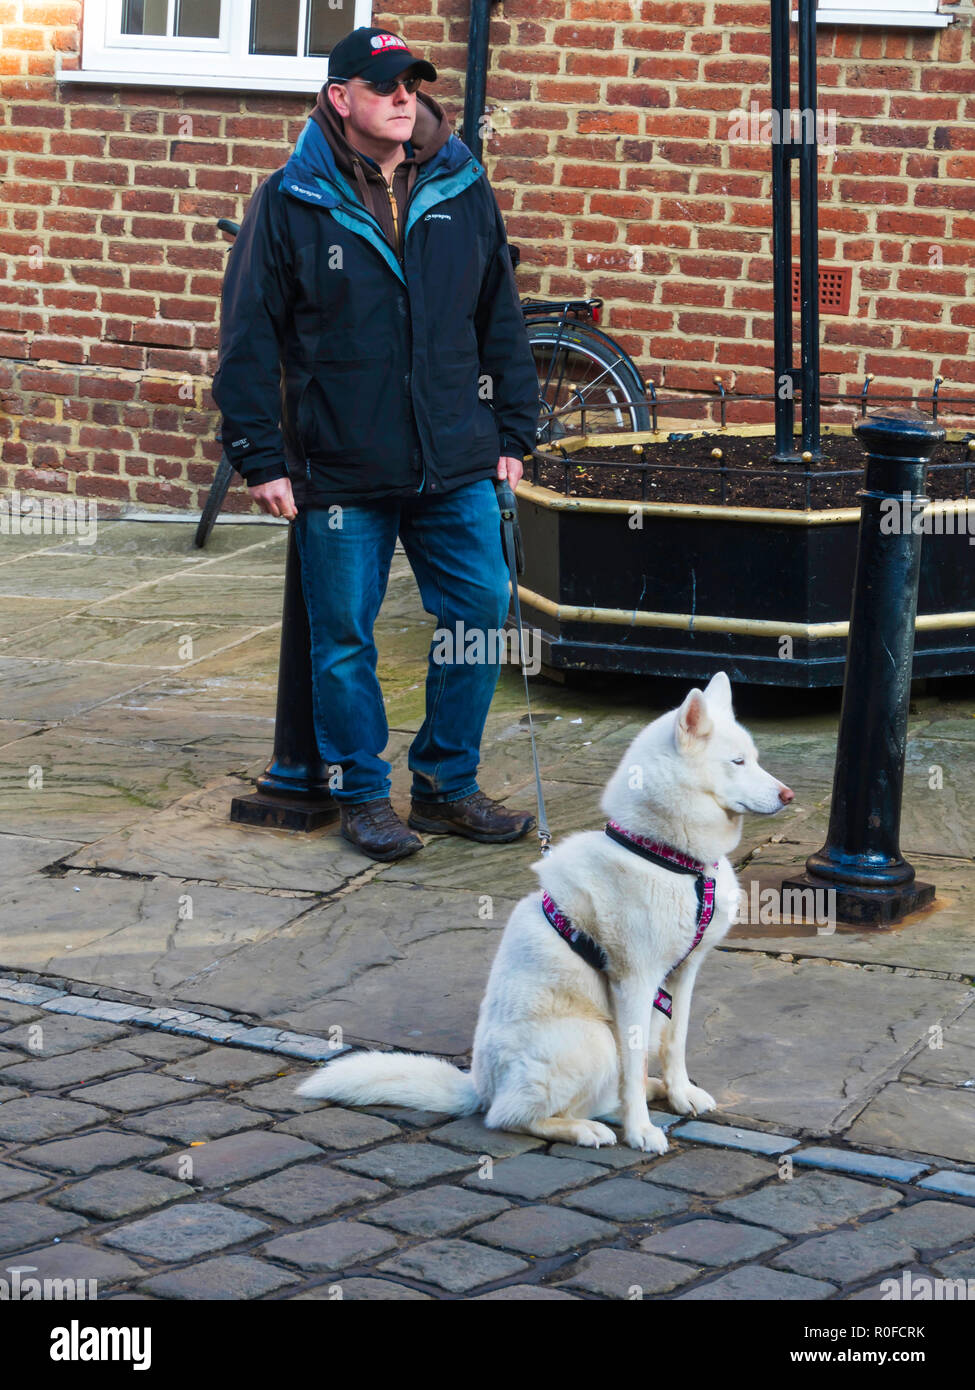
(355, 374)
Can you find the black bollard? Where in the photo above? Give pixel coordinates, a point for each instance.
(292, 792)
(861, 859)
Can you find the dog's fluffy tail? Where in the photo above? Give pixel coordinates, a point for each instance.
(394, 1078)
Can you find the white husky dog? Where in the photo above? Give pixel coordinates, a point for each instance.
(574, 1001)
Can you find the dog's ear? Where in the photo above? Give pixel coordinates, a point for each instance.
(693, 721)
(718, 690)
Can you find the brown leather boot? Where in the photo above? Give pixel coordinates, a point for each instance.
(376, 829)
(476, 816)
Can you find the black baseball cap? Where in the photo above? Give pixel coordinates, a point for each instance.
(376, 55)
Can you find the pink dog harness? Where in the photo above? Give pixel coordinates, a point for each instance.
(668, 858)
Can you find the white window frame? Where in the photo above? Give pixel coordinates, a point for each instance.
(904, 14)
(148, 60)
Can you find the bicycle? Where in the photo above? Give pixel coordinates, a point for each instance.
(578, 366)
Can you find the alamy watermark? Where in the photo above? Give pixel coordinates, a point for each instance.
(922, 1288)
(908, 515)
(478, 646)
(772, 906)
(17, 1289)
(764, 125)
(49, 516)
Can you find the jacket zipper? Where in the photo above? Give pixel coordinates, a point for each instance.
(393, 210)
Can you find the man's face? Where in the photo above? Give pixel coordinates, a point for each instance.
(371, 116)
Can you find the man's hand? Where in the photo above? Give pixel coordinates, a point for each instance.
(276, 498)
(510, 468)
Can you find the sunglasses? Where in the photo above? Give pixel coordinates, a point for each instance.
(385, 89)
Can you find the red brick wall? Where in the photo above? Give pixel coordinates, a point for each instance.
(611, 160)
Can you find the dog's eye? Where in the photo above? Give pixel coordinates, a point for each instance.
(739, 762)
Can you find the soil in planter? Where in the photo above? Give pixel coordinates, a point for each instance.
(683, 470)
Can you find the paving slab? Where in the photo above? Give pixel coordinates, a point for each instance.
(948, 1056)
(363, 1290)
(121, 1192)
(843, 1257)
(226, 1277)
(51, 1035)
(472, 1135)
(72, 1260)
(533, 1176)
(308, 1191)
(627, 1200)
(150, 937)
(225, 1066)
(335, 1128)
(542, 1231)
(69, 1069)
(195, 1120)
(931, 1119)
(30, 1118)
(711, 1243)
(525, 1293)
(138, 1091)
(184, 1231)
(336, 1246)
(408, 1165)
(24, 854)
(755, 1282)
(929, 1225)
(234, 1158)
(436, 1211)
(810, 1202)
(710, 1172)
(85, 1154)
(939, 938)
(455, 1265)
(25, 1223)
(756, 1021)
(628, 1274)
(278, 1096)
(14, 1181)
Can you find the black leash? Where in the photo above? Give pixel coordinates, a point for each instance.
(515, 556)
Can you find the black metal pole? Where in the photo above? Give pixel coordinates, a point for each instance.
(292, 792)
(782, 233)
(861, 859)
(807, 127)
(475, 87)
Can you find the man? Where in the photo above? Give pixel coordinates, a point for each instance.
(375, 376)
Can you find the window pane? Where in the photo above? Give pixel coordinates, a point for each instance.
(144, 17)
(198, 19)
(274, 27)
(326, 25)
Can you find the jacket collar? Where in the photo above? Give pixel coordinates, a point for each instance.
(313, 175)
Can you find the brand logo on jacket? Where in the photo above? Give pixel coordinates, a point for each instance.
(438, 217)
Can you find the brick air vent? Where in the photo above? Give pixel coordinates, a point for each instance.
(834, 289)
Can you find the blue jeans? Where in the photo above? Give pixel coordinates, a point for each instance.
(453, 544)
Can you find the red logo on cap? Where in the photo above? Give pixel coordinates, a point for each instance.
(386, 41)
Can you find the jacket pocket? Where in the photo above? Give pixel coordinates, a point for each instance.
(345, 408)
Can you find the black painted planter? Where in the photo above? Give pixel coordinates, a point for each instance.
(762, 593)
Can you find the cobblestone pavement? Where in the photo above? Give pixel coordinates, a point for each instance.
(164, 1166)
(166, 975)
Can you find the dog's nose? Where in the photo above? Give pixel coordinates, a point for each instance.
(786, 794)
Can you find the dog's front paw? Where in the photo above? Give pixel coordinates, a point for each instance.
(690, 1100)
(646, 1136)
(592, 1135)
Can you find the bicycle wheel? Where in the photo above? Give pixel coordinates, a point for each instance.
(578, 365)
(218, 491)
